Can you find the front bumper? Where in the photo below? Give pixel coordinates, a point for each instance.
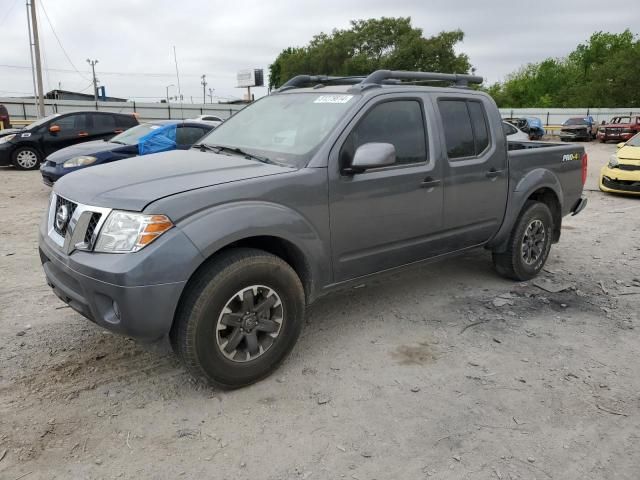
(51, 172)
(575, 135)
(580, 205)
(131, 294)
(615, 180)
(620, 136)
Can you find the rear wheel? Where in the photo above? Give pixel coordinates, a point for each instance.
(26, 158)
(529, 243)
(239, 318)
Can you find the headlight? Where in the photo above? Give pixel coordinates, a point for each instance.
(129, 232)
(7, 138)
(79, 161)
(613, 161)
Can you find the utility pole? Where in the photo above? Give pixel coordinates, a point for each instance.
(95, 80)
(36, 49)
(33, 68)
(204, 88)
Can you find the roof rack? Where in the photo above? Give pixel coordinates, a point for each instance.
(379, 78)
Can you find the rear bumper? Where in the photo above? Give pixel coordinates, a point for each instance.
(579, 206)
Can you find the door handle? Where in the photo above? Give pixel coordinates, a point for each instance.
(429, 182)
(494, 173)
(83, 134)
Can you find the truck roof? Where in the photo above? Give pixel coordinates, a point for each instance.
(389, 80)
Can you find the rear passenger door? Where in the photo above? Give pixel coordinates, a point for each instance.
(476, 175)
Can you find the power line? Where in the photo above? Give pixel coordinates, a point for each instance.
(124, 74)
(58, 40)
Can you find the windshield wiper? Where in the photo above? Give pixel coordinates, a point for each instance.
(204, 147)
(236, 150)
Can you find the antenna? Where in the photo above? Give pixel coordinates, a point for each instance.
(175, 59)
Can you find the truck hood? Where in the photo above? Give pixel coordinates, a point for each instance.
(133, 183)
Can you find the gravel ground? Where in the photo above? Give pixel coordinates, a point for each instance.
(446, 371)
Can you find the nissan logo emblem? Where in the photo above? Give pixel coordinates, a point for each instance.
(62, 217)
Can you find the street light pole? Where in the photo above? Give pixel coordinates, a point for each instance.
(95, 80)
(204, 88)
(211, 90)
(167, 87)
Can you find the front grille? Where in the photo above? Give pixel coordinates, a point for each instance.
(71, 207)
(622, 185)
(623, 166)
(91, 228)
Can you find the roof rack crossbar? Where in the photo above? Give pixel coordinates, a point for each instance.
(379, 76)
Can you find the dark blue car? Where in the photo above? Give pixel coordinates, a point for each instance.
(149, 137)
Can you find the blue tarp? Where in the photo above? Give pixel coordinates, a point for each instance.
(159, 140)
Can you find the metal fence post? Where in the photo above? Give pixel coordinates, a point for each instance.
(24, 111)
(169, 109)
(547, 118)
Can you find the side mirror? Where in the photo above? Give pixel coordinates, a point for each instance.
(621, 144)
(54, 129)
(372, 155)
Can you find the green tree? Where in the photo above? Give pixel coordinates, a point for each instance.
(603, 72)
(368, 45)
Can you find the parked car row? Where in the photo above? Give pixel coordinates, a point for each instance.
(622, 174)
(62, 143)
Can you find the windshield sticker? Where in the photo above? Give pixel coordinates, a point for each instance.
(25, 135)
(333, 99)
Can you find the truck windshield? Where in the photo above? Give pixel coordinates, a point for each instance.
(284, 128)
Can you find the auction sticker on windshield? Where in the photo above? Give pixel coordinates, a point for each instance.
(333, 99)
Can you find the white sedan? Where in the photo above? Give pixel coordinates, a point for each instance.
(513, 133)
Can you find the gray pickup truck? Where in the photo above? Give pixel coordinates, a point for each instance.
(325, 182)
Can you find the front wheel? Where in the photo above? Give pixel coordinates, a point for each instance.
(26, 158)
(239, 318)
(529, 243)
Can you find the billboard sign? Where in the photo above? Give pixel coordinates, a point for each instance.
(250, 77)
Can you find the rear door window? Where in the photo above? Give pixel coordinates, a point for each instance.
(465, 128)
(103, 122)
(457, 128)
(188, 135)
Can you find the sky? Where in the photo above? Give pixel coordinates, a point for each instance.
(133, 40)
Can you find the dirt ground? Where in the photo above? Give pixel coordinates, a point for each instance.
(445, 372)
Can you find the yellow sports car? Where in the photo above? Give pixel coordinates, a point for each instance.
(622, 174)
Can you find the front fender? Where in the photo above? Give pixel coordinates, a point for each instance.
(534, 180)
(212, 229)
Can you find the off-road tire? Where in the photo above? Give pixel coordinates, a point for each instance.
(194, 335)
(511, 263)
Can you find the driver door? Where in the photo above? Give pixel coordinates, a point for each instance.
(387, 216)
